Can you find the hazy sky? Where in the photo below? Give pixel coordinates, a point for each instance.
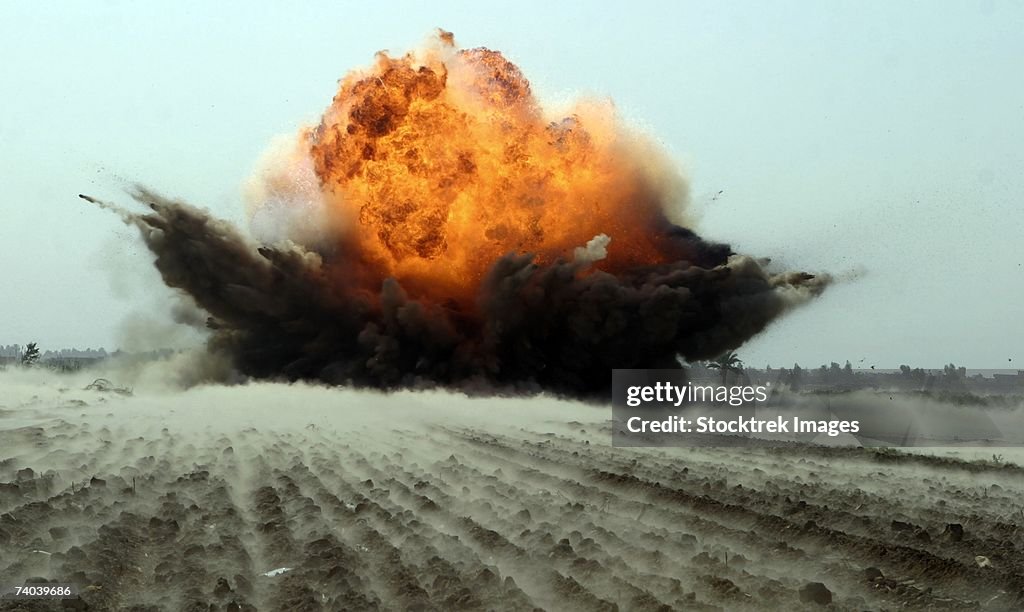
(878, 137)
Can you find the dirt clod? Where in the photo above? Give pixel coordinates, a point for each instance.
(816, 592)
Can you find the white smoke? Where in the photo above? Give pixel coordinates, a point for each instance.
(596, 250)
(283, 196)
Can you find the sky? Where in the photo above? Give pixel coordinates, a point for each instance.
(882, 142)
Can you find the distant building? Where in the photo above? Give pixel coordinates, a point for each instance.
(1009, 382)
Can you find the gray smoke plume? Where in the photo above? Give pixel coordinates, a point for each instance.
(281, 312)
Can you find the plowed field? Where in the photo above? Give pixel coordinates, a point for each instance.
(272, 497)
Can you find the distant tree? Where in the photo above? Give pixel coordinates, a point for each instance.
(953, 372)
(954, 377)
(727, 362)
(31, 354)
(796, 376)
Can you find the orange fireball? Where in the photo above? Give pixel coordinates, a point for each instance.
(435, 164)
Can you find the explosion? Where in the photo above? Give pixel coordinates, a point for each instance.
(447, 162)
(440, 227)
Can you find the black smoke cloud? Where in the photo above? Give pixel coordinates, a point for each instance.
(280, 313)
